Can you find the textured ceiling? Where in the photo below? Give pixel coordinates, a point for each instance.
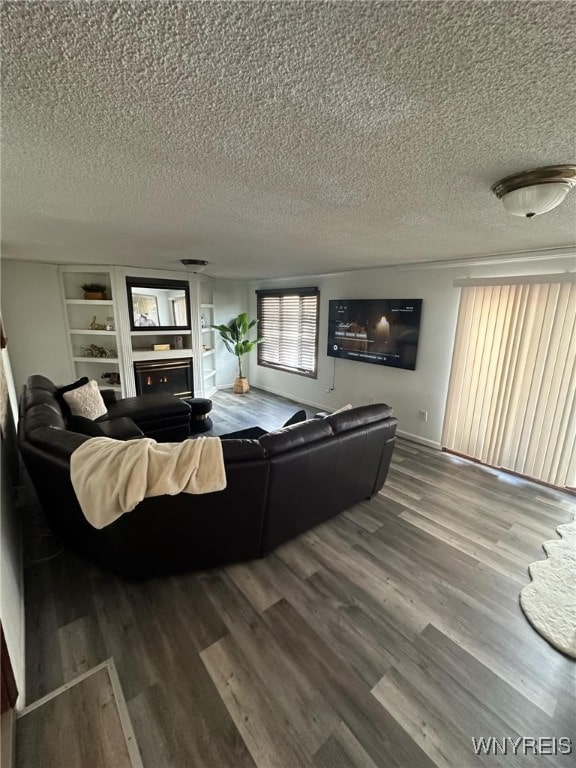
(278, 138)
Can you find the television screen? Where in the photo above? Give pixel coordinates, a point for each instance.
(380, 331)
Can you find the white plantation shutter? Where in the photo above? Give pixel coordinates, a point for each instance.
(288, 323)
(512, 395)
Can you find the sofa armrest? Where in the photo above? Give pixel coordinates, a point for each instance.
(109, 396)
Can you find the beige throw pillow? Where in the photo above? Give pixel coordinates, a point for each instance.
(346, 407)
(86, 401)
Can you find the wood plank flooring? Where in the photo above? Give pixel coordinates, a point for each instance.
(82, 723)
(389, 636)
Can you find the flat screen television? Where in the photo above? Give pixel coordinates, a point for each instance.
(379, 331)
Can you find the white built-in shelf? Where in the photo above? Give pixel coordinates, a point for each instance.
(207, 306)
(151, 354)
(101, 360)
(207, 330)
(90, 332)
(209, 373)
(207, 352)
(160, 332)
(115, 387)
(91, 302)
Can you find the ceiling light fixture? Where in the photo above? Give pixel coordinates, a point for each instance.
(536, 191)
(199, 265)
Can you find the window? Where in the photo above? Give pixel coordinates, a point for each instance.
(288, 323)
(179, 311)
(511, 399)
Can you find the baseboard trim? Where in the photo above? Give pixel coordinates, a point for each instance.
(417, 439)
(289, 396)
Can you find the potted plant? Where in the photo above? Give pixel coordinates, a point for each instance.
(234, 335)
(94, 291)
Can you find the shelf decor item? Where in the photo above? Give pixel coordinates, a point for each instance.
(94, 291)
(234, 335)
(95, 351)
(95, 326)
(112, 377)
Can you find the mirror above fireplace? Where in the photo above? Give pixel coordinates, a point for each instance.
(158, 305)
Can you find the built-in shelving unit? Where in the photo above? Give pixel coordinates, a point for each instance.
(88, 345)
(208, 338)
(126, 346)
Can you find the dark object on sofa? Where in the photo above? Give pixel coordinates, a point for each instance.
(285, 483)
(297, 418)
(250, 433)
(255, 433)
(200, 407)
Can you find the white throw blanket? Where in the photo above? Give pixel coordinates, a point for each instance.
(110, 477)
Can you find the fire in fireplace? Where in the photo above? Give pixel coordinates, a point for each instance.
(173, 376)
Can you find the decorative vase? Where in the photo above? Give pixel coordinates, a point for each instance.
(89, 296)
(241, 385)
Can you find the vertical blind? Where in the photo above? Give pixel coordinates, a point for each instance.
(512, 394)
(288, 323)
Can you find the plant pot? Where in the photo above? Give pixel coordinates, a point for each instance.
(95, 296)
(241, 385)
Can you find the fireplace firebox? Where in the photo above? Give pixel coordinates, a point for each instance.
(173, 376)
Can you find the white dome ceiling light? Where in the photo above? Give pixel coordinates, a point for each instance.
(537, 191)
(198, 265)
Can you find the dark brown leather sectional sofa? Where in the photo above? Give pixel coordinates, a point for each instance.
(279, 486)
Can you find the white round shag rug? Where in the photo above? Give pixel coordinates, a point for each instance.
(549, 601)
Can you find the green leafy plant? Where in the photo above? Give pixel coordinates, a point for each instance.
(93, 288)
(234, 335)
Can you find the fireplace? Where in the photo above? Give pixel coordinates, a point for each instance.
(173, 376)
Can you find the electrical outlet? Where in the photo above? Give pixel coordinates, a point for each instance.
(423, 415)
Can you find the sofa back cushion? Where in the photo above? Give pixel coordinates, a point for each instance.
(37, 381)
(55, 444)
(43, 415)
(35, 396)
(242, 450)
(295, 436)
(342, 421)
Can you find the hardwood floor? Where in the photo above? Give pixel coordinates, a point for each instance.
(83, 723)
(389, 636)
(255, 408)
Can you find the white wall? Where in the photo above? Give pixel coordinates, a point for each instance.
(230, 298)
(34, 321)
(407, 392)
